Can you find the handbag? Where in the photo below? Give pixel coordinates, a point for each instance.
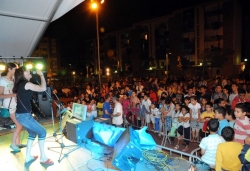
(4, 112)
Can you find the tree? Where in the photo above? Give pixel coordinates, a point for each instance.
(215, 57)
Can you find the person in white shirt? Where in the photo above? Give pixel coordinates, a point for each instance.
(195, 114)
(92, 112)
(117, 115)
(234, 93)
(139, 87)
(9, 101)
(184, 128)
(147, 104)
(157, 115)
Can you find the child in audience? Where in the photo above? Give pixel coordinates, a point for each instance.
(209, 144)
(69, 105)
(136, 113)
(242, 125)
(203, 105)
(228, 152)
(205, 117)
(194, 107)
(99, 106)
(142, 111)
(186, 101)
(157, 115)
(245, 155)
(220, 113)
(230, 117)
(221, 102)
(175, 122)
(168, 115)
(125, 104)
(163, 109)
(184, 128)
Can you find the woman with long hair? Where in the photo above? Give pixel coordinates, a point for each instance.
(9, 101)
(24, 91)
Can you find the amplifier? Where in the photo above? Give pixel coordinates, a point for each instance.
(127, 151)
(79, 131)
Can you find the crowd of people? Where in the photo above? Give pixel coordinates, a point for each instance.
(214, 114)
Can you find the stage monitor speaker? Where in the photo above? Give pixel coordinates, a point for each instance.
(127, 151)
(44, 102)
(79, 131)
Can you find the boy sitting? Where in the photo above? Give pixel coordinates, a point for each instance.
(209, 144)
(227, 153)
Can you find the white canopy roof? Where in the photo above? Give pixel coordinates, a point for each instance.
(23, 23)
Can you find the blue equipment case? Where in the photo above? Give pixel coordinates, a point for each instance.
(127, 151)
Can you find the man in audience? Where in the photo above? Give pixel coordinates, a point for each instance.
(106, 107)
(118, 113)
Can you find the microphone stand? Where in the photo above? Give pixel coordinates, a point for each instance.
(59, 105)
(62, 146)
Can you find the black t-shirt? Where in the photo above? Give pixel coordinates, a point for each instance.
(23, 98)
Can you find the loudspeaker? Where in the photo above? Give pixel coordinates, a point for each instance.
(44, 102)
(79, 131)
(127, 151)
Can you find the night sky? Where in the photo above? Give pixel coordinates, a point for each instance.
(79, 25)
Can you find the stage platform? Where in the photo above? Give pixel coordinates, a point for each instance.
(89, 156)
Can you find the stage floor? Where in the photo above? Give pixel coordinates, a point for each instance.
(81, 157)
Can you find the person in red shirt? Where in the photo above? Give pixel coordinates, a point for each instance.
(240, 98)
(153, 96)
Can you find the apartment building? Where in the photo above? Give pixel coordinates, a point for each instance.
(202, 39)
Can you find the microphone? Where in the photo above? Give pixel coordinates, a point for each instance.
(34, 72)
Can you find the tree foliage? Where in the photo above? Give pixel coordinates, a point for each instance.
(215, 57)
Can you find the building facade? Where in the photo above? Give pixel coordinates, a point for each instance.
(202, 39)
(49, 49)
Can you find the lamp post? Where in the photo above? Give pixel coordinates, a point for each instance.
(94, 6)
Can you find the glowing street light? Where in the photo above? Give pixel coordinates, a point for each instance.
(94, 6)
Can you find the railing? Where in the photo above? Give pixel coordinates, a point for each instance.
(191, 157)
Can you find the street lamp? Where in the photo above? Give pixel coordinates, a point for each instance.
(94, 6)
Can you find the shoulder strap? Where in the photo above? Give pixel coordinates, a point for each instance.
(23, 104)
(10, 102)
